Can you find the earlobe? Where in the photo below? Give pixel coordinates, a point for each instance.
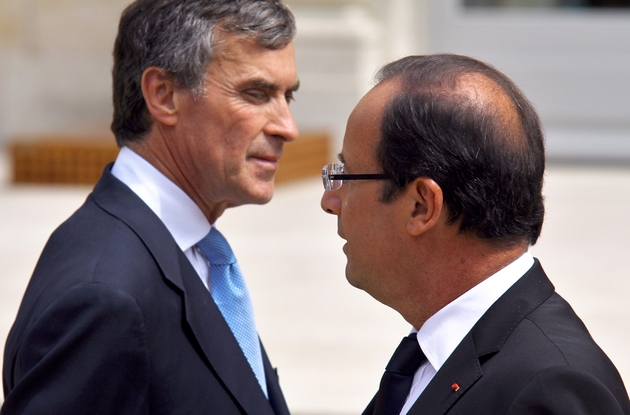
(159, 94)
(427, 199)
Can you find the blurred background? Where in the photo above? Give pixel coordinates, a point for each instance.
(330, 341)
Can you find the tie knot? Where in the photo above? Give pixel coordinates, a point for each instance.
(216, 248)
(407, 358)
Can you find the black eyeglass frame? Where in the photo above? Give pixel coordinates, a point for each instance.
(345, 177)
(329, 178)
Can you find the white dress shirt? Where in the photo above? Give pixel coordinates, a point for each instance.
(181, 216)
(442, 332)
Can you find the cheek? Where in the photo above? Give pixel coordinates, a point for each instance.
(242, 136)
(234, 147)
(358, 222)
(374, 230)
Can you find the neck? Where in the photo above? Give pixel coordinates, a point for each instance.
(453, 270)
(155, 151)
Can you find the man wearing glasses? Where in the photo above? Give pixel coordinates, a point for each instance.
(438, 194)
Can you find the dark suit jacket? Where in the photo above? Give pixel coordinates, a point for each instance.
(115, 320)
(528, 354)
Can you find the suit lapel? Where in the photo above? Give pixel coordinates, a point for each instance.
(111, 195)
(219, 345)
(455, 377)
(463, 368)
(202, 315)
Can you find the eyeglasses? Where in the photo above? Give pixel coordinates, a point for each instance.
(333, 176)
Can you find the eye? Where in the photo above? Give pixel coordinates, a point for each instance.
(257, 95)
(289, 97)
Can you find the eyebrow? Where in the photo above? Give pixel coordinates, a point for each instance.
(269, 86)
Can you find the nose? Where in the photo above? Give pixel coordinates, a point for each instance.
(281, 122)
(331, 202)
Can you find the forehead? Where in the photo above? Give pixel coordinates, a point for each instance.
(364, 127)
(238, 58)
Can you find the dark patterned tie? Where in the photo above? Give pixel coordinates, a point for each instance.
(230, 293)
(398, 376)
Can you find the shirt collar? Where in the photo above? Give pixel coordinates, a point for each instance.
(179, 213)
(442, 332)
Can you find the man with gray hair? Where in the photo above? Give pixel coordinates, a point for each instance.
(137, 304)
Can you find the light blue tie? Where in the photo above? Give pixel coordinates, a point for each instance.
(231, 296)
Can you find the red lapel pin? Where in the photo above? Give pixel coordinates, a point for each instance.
(455, 387)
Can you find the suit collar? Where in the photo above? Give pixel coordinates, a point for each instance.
(440, 335)
(118, 200)
(463, 367)
(493, 329)
(210, 330)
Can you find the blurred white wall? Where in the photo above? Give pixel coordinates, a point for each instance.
(55, 64)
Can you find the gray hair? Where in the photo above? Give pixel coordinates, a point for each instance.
(181, 37)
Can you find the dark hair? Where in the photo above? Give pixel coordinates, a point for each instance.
(179, 36)
(486, 154)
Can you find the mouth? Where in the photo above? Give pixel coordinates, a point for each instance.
(267, 160)
(345, 246)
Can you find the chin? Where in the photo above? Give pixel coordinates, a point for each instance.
(351, 278)
(262, 194)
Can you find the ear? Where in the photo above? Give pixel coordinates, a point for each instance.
(159, 94)
(426, 196)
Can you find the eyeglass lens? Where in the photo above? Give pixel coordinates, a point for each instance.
(327, 171)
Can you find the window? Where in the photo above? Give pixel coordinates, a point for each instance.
(548, 3)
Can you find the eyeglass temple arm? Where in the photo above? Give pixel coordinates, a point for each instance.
(357, 176)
